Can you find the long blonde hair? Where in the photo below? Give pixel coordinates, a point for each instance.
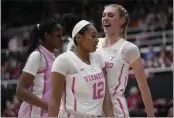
(123, 13)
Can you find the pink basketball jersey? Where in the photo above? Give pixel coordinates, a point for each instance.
(40, 87)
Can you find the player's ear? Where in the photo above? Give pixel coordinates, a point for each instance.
(122, 21)
(79, 38)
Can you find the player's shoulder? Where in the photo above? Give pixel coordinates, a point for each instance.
(66, 55)
(63, 55)
(129, 47)
(62, 58)
(35, 55)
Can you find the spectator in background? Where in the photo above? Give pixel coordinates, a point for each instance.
(170, 56)
(136, 111)
(150, 52)
(162, 18)
(151, 61)
(9, 110)
(16, 103)
(14, 44)
(14, 68)
(7, 75)
(142, 16)
(154, 20)
(170, 108)
(163, 59)
(133, 98)
(161, 105)
(170, 18)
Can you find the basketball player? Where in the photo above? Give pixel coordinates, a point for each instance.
(77, 75)
(34, 83)
(118, 55)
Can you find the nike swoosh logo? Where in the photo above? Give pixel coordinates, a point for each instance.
(112, 57)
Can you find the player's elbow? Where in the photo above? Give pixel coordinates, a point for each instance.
(20, 92)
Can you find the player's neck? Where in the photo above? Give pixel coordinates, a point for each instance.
(111, 39)
(83, 55)
(48, 47)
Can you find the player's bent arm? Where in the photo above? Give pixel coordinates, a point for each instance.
(107, 104)
(25, 81)
(138, 69)
(57, 86)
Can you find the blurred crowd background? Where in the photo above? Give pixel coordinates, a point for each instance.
(150, 28)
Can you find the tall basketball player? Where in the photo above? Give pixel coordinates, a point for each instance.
(34, 83)
(118, 55)
(77, 76)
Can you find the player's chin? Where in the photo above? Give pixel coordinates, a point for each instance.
(93, 49)
(58, 46)
(106, 30)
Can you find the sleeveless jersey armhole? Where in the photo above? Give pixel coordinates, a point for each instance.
(42, 71)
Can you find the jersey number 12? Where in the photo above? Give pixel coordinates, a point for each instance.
(98, 90)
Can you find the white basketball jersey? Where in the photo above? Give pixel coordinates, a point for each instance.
(84, 92)
(117, 69)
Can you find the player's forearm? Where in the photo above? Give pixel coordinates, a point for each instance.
(108, 112)
(107, 109)
(53, 110)
(107, 105)
(30, 98)
(147, 99)
(144, 88)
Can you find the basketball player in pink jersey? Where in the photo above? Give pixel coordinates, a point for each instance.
(118, 55)
(34, 83)
(77, 80)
